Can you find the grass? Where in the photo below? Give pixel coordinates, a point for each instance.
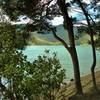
(37, 41)
(89, 92)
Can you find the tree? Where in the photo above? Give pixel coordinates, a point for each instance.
(91, 33)
(20, 79)
(10, 59)
(46, 78)
(40, 12)
(69, 26)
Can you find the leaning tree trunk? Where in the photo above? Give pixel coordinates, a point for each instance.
(71, 49)
(73, 53)
(92, 43)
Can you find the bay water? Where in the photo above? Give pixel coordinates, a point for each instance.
(84, 55)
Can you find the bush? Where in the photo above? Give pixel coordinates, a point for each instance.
(39, 80)
(44, 78)
(20, 79)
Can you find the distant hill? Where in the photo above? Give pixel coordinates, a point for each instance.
(61, 32)
(49, 35)
(35, 40)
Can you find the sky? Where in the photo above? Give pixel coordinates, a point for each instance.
(79, 16)
(57, 20)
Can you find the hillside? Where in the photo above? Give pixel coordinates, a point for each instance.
(35, 40)
(46, 38)
(49, 36)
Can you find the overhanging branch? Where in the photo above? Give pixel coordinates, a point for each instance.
(57, 37)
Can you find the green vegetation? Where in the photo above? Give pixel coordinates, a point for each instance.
(20, 79)
(97, 42)
(38, 41)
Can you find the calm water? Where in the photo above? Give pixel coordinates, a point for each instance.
(84, 56)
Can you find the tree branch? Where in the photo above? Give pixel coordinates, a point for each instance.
(57, 37)
(61, 40)
(4, 89)
(81, 23)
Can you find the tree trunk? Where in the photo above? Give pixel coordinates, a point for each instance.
(92, 43)
(73, 53)
(94, 62)
(72, 50)
(74, 57)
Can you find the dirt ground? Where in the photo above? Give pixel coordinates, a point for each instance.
(89, 92)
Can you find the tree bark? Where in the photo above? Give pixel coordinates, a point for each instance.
(74, 57)
(71, 49)
(94, 63)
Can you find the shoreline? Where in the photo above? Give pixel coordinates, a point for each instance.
(87, 86)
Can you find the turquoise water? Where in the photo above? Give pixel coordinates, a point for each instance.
(84, 56)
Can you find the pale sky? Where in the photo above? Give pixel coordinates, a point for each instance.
(57, 21)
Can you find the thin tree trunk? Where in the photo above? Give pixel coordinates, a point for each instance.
(72, 51)
(74, 57)
(94, 63)
(92, 43)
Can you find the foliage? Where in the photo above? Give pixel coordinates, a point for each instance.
(20, 79)
(37, 10)
(41, 14)
(44, 78)
(82, 29)
(12, 37)
(40, 79)
(96, 27)
(97, 43)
